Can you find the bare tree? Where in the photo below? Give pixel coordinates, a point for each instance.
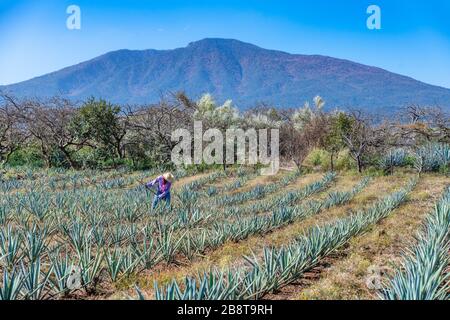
(48, 123)
(360, 135)
(150, 126)
(416, 125)
(12, 133)
(303, 131)
(295, 145)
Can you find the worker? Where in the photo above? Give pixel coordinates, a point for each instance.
(163, 184)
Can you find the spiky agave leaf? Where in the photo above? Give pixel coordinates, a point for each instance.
(422, 275)
(281, 266)
(11, 285)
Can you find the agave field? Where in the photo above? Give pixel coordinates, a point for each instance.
(93, 234)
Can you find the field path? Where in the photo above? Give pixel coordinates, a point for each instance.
(351, 272)
(231, 253)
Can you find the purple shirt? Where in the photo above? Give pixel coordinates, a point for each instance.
(162, 184)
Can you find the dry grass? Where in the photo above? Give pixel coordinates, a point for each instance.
(347, 273)
(341, 276)
(183, 181)
(231, 253)
(374, 191)
(301, 182)
(259, 180)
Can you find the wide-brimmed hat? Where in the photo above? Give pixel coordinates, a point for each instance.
(168, 176)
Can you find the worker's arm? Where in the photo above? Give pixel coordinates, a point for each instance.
(151, 183)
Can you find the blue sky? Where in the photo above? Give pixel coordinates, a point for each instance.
(414, 39)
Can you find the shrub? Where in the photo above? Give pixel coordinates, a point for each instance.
(27, 156)
(344, 161)
(318, 158)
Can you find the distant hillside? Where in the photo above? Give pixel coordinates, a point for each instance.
(231, 69)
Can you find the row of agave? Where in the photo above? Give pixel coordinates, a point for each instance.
(10, 185)
(427, 158)
(87, 205)
(99, 209)
(242, 228)
(258, 192)
(53, 179)
(224, 231)
(91, 225)
(279, 267)
(86, 232)
(201, 236)
(199, 183)
(284, 199)
(393, 158)
(423, 273)
(432, 157)
(243, 178)
(236, 211)
(58, 179)
(40, 202)
(189, 214)
(190, 195)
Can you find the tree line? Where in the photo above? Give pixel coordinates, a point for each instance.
(58, 132)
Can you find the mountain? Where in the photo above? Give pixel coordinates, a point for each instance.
(231, 69)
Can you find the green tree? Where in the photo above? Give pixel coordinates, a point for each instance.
(338, 125)
(358, 136)
(99, 122)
